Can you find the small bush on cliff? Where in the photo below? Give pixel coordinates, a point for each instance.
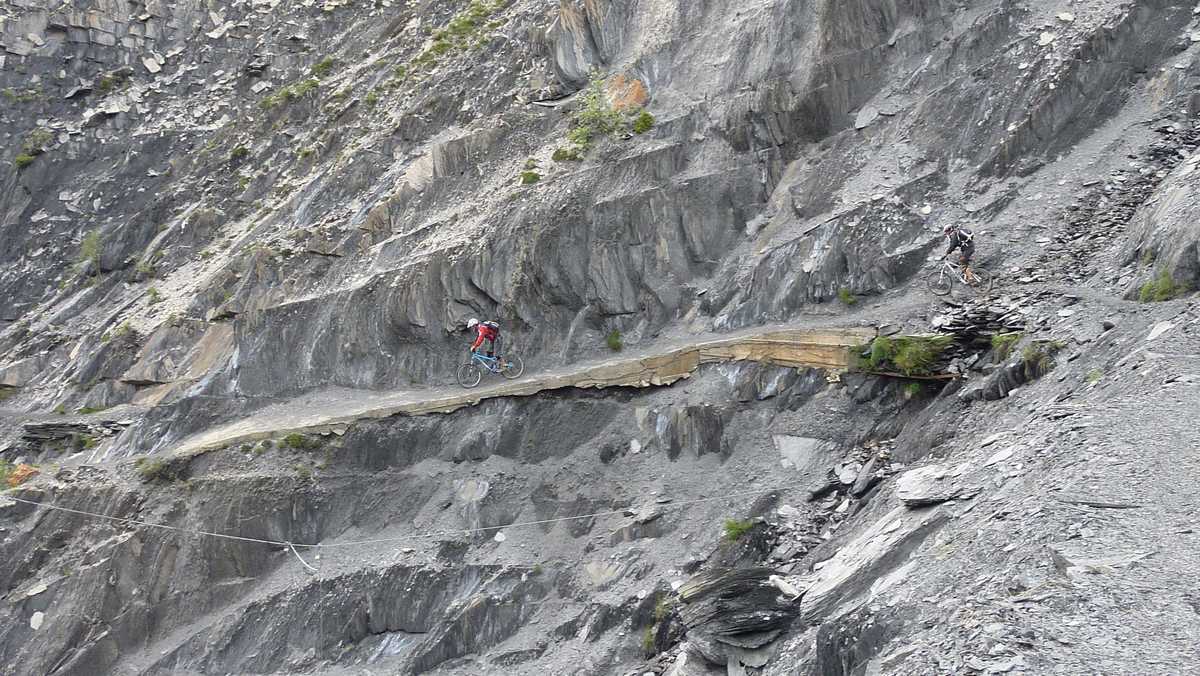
(300, 442)
(596, 117)
(847, 296)
(1002, 344)
(154, 470)
(613, 340)
(323, 67)
(736, 528)
(912, 356)
(643, 123)
(1161, 288)
(530, 177)
(89, 248)
(21, 161)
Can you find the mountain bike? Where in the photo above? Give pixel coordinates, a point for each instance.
(470, 373)
(941, 281)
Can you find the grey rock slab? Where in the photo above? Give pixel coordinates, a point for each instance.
(929, 486)
(884, 546)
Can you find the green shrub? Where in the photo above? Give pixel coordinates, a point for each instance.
(145, 269)
(323, 67)
(613, 340)
(912, 356)
(154, 296)
(595, 117)
(304, 471)
(87, 441)
(1002, 344)
(1094, 376)
(1038, 358)
(565, 155)
(154, 470)
(1161, 288)
(372, 98)
(300, 442)
(89, 248)
(735, 529)
(309, 85)
(35, 142)
(239, 153)
(530, 177)
(643, 123)
(912, 389)
(23, 160)
(6, 468)
(846, 296)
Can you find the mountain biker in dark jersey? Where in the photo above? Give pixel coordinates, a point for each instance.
(489, 331)
(964, 240)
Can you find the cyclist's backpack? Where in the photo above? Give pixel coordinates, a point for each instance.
(492, 325)
(966, 236)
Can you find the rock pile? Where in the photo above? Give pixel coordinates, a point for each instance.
(1098, 218)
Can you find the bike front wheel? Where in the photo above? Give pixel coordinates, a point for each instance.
(469, 375)
(513, 367)
(939, 283)
(983, 281)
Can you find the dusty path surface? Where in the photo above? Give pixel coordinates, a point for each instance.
(333, 410)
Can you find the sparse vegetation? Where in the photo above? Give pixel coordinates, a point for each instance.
(303, 470)
(154, 470)
(1161, 288)
(372, 98)
(145, 269)
(239, 153)
(648, 642)
(846, 296)
(1038, 358)
(530, 177)
(120, 332)
(87, 441)
(596, 117)
(61, 409)
(262, 447)
(1002, 344)
(643, 123)
(736, 528)
(154, 296)
(111, 81)
(89, 248)
(1094, 376)
(289, 93)
(5, 470)
(300, 442)
(613, 340)
(912, 356)
(88, 410)
(23, 160)
(566, 155)
(323, 67)
(912, 389)
(26, 96)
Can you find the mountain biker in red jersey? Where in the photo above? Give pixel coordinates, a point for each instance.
(489, 331)
(964, 240)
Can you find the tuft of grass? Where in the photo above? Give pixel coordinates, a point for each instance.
(736, 528)
(530, 177)
(662, 608)
(372, 98)
(613, 340)
(323, 67)
(304, 471)
(300, 442)
(154, 296)
(1002, 344)
(566, 155)
(648, 642)
(6, 468)
(61, 409)
(912, 389)
(87, 440)
(1038, 358)
(643, 123)
(154, 470)
(912, 356)
(239, 153)
(846, 296)
(1094, 376)
(23, 160)
(145, 269)
(89, 248)
(1161, 288)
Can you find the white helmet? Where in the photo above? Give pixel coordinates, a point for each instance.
(472, 323)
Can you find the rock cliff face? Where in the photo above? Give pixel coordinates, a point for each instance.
(278, 211)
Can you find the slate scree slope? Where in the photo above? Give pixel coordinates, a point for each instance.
(239, 240)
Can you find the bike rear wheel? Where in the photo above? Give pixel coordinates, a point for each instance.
(469, 375)
(513, 367)
(939, 283)
(983, 281)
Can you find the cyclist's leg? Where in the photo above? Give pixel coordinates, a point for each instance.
(966, 266)
(498, 344)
